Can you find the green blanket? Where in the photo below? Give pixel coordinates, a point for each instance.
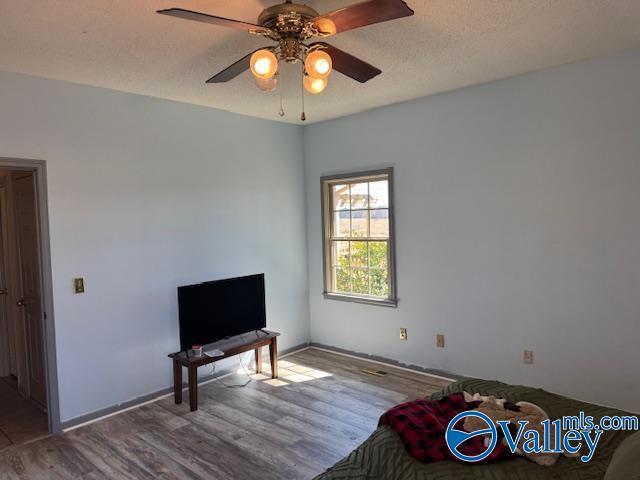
(383, 456)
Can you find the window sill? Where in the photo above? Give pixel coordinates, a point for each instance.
(383, 302)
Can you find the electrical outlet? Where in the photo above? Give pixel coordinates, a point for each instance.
(440, 340)
(78, 285)
(527, 356)
(403, 333)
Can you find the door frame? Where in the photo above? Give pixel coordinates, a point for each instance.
(6, 354)
(38, 167)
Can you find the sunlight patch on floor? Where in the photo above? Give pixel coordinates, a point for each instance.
(318, 374)
(275, 382)
(289, 372)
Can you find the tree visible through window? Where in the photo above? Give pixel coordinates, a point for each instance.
(358, 243)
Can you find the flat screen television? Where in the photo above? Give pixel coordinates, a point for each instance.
(215, 310)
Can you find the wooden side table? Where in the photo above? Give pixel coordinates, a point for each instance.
(230, 347)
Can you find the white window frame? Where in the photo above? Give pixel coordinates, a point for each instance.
(327, 218)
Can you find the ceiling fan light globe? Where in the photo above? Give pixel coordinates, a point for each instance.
(264, 64)
(267, 84)
(322, 66)
(314, 85)
(325, 26)
(318, 64)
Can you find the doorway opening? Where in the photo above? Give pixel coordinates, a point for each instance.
(25, 393)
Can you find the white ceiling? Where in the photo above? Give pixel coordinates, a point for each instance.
(124, 45)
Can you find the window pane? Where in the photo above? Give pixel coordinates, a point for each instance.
(357, 212)
(341, 199)
(359, 254)
(341, 223)
(340, 255)
(378, 255)
(359, 195)
(360, 281)
(379, 223)
(379, 283)
(359, 223)
(379, 194)
(341, 279)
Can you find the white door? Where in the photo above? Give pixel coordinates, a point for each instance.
(31, 298)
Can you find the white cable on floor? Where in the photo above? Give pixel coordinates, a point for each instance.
(219, 380)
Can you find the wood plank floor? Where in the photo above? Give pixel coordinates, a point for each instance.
(20, 420)
(320, 409)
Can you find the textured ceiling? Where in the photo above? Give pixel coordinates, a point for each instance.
(124, 45)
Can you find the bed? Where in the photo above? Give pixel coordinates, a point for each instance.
(383, 455)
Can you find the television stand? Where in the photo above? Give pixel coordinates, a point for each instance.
(231, 346)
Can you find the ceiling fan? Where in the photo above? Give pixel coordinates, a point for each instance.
(290, 25)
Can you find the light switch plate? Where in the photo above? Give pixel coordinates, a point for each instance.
(440, 340)
(527, 356)
(78, 285)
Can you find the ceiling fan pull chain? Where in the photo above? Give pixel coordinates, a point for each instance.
(281, 111)
(303, 117)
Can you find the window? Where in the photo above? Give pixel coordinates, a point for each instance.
(358, 237)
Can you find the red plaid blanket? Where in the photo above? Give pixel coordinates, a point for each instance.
(422, 423)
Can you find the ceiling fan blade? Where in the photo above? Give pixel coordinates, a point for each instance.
(232, 71)
(212, 19)
(349, 65)
(365, 13)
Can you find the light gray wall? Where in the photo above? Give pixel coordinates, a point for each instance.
(518, 227)
(146, 195)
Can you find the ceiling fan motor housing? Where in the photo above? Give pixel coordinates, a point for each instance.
(286, 17)
(290, 22)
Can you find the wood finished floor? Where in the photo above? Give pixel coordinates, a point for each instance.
(320, 409)
(20, 420)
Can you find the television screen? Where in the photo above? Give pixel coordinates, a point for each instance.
(223, 308)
